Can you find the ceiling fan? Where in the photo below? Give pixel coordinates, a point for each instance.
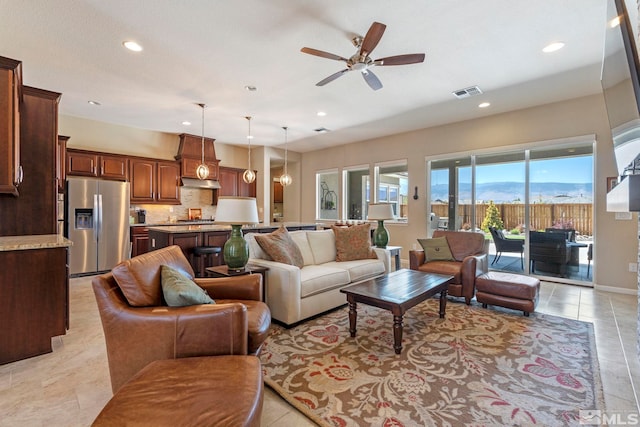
(361, 61)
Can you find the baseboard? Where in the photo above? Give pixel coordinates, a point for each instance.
(615, 290)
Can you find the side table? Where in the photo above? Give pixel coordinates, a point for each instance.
(223, 271)
(395, 253)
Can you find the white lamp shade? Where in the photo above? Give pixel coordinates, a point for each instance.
(378, 211)
(237, 210)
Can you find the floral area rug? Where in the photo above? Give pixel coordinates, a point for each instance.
(476, 367)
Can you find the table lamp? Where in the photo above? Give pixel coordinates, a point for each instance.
(380, 212)
(236, 211)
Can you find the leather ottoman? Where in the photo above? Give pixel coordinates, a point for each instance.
(514, 291)
(196, 391)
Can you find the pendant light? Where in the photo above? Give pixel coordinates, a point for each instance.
(285, 179)
(249, 175)
(202, 171)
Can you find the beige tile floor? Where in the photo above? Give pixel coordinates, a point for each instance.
(69, 386)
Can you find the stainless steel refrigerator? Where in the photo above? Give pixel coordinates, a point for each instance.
(97, 223)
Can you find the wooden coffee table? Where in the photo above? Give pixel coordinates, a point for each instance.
(397, 292)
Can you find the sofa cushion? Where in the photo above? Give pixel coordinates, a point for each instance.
(281, 247)
(300, 239)
(323, 245)
(360, 269)
(353, 243)
(180, 291)
(463, 243)
(436, 249)
(315, 279)
(255, 251)
(139, 277)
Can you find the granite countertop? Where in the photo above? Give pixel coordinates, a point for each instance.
(36, 241)
(172, 224)
(215, 227)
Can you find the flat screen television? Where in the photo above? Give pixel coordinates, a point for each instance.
(621, 86)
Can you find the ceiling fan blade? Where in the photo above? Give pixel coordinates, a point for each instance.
(413, 58)
(372, 38)
(372, 80)
(332, 77)
(322, 54)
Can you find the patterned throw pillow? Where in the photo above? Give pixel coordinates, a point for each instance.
(353, 243)
(436, 249)
(281, 247)
(180, 291)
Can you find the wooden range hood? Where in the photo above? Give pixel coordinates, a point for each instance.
(190, 156)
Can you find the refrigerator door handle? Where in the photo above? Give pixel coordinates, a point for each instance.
(99, 216)
(95, 218)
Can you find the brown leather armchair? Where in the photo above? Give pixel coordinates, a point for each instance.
(140, 328)
(470, 251)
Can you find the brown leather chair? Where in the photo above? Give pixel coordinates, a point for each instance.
(470, 251)
(140, 328)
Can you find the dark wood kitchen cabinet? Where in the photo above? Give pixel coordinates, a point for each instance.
(139, 240)
(34, 285)
(34, 211)
(232, 184)
(61, 162)
(10, 101)
(154, 181)
(97, 165)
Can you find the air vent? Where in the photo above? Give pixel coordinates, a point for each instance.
(321, 130)
(467, 92)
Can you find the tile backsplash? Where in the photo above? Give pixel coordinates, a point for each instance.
(189, 198)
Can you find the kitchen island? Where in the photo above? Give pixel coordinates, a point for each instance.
(190, 236)
(34, 289)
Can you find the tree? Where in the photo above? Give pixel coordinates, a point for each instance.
(492, 218)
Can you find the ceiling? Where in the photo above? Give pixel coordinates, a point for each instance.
(203, 51)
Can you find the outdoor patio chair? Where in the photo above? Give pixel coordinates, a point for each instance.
(506, 245)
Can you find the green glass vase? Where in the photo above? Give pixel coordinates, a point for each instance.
(380, 235)
(236, 249)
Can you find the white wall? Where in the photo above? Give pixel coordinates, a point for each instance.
(616, 241)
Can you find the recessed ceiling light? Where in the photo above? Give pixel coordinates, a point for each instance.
(553, 47)
(132, 46)
(249, 136)
(321, 114)
(484, 104)
(614, 22)
(186, 123)
(93, 103)
(251, 88)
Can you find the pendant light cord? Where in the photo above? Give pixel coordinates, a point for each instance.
(285, 149)
(202, 105)
(249, 138)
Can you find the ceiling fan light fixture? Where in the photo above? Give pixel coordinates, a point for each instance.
(249, 175)
(202, 171)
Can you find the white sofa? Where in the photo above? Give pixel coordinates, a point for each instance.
(294, 294)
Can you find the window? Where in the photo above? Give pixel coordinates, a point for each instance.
(392, 181)
(529, 193)
(327, 185)
(355, 180)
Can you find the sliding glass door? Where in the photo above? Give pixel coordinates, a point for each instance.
(535, 206)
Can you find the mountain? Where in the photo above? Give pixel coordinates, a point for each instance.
(513, 192)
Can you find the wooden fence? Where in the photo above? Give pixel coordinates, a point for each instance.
(578, 216)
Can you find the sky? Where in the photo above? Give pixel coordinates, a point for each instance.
(567, 169)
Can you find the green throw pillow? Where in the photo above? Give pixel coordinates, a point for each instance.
(436, 249)
(179, 290)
